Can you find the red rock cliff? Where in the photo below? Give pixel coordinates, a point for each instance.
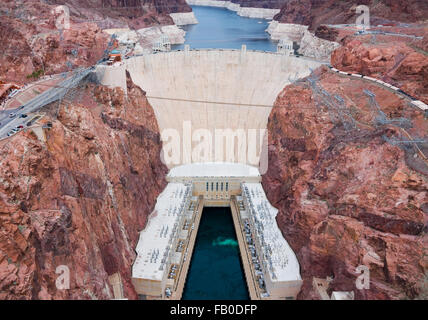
(80, 198)
(395, 62)
(316, 12)
(32, 44)
(346, 197)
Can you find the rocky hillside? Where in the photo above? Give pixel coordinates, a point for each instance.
(394, 62)
(79, 198)
(135, 14)
(315, 12)
(349, 190)
(32, 44)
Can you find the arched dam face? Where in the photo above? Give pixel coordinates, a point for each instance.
(198, 93)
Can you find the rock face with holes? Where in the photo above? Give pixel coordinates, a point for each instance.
(80, 198)
(346, 197)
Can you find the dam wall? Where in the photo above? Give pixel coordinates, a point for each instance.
(111, 76)
(198, 92)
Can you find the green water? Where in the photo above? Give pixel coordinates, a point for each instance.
(215, 270)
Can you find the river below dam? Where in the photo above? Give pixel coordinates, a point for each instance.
(222, 28)
(215, 270)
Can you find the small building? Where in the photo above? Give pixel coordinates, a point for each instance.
(285, 46)
(163, 44)
(114, 56)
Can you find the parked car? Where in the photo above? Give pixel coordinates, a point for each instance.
(10, 133)
(20, 127)
(23, 115)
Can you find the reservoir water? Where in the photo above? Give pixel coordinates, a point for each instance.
(215, 270)
(222, 28)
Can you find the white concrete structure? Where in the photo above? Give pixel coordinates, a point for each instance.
(309, 44)
(250, 12)
(215, 89)
(183, 18)
(213, 169)
(157, 242)
(111, 76)
(214, 184)
(162, 44)
(285, 46)
(280, 267)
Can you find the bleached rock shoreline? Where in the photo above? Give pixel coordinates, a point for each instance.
(183, 18)
(309, 44)
(294, 32)
(261, 13)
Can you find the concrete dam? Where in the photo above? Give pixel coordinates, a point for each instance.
(201, 92)
(195, 95)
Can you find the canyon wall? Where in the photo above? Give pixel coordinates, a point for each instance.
(80, 197)
(35, 42)
(313, 13)
(304, 21)
(135, 14)
(346, 196)
(32, 45)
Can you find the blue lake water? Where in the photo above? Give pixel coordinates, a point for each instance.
(222, 28)
(215, 270)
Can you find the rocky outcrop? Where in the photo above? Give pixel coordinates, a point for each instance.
(35, 42)
(346, 196)
(294, 32)
(183, 18)
(79, 199)
(309, 44)
(317, 48)
(395, 63)
(32, 45)
(313, 13)
(135, 14)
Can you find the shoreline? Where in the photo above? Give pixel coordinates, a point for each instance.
(249, 12)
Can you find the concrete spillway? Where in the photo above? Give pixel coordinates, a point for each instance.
(214, 89)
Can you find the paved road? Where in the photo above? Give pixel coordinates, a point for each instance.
(49, 96)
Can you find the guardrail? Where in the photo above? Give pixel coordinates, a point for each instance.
(414, 101)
